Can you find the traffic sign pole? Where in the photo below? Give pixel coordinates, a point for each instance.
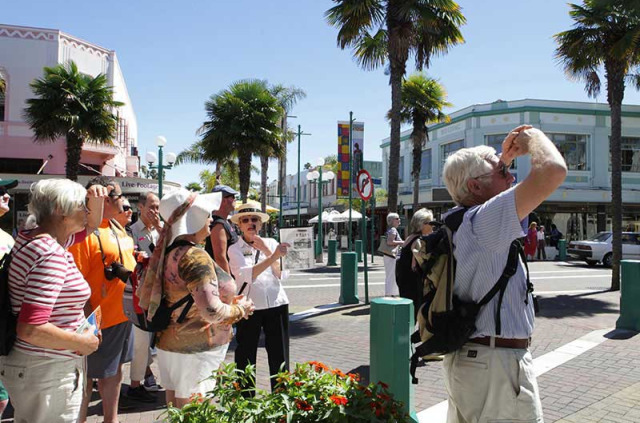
(364, 185)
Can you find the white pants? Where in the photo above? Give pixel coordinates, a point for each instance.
(43, 390)
(189, 374)
(488, 385)
(390, 285)
(141, 354)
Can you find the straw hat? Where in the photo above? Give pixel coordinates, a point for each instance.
(196, 216)
(248, 210)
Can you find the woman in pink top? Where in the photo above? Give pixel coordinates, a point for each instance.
(44, 371)
(194, 346)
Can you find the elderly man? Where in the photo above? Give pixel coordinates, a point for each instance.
(104, 258)
(222, 234)
(491, 378)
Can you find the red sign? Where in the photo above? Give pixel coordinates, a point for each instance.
(364, 185)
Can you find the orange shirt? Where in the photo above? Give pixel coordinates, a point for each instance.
(105, 293)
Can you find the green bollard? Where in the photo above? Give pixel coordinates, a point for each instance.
(629, 295)
(359, 250)
(390, 331)
(348, 279)
(562, 249)
(333, 252)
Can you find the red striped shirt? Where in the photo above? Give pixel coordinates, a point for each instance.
(45, 286)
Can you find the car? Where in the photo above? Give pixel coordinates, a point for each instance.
(598, 248)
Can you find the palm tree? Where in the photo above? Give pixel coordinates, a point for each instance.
(389, 32)
(243, 119)
(74, 105)
(198, 153)
(604, 38)
(423, 99)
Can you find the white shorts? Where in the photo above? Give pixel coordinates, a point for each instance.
(188, 374)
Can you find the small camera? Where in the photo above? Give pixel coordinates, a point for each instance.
(117, 270)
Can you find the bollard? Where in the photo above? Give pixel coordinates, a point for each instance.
(359, 250)
(348, 279)
(390, 331)
(333, 252)
(629, 295)
(562, 249)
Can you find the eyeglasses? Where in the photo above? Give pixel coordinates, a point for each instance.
(126, 208)
(115, 196)
(503, 170)
(250, 219)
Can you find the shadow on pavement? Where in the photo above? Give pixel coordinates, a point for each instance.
(575, 305)
(362, 311)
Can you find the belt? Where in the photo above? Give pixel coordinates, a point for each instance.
(503, 342)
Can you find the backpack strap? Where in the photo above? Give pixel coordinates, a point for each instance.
(188, 299)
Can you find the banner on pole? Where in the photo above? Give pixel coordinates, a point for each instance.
(346, 178)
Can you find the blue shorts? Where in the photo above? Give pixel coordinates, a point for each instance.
(115, 349)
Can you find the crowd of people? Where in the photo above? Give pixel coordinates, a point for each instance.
(79, 256)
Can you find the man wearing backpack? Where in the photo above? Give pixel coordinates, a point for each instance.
(491, 377)
(223, 235)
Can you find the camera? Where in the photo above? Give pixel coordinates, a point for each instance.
(117, 270)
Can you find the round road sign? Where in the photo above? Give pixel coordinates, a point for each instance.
(364, 185)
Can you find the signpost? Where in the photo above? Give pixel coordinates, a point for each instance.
(364, 185)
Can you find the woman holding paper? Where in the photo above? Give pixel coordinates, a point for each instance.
(255, 263)
(44, 370)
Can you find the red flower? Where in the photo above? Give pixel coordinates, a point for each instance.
(303, 405)
(384, 385)
(299, 383)
(236, 385)
(384, 397)
(354, 376)
(338, 372)
(338, 399)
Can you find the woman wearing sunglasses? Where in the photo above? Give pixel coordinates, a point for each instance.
(255, 263)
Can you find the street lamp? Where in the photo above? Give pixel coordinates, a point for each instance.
(312, 177)
(300, 133)
(151, 158)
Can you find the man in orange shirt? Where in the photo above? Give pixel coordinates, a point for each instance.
(105, 259)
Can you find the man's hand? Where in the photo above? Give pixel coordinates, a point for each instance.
(154, 217)
(515, 144)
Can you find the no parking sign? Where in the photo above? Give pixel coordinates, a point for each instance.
(364, 185)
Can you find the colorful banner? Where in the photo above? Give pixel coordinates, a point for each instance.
(345, 178)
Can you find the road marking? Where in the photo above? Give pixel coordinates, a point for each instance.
(567, 271)
(326, 285)
(541, 365)
(308, 274)
(603, 275)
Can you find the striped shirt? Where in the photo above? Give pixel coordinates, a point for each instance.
(45, 286)
(481, 250)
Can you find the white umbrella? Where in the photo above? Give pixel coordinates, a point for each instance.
(325, 216)
(344, 216)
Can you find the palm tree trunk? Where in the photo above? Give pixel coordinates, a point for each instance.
(218, 173)
(244, 171)
(615, 94)
(74, 151)
(417, 136)
(264, 168)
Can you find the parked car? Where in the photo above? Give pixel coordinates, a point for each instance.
(598, 248)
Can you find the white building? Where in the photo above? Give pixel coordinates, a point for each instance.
(581, 206)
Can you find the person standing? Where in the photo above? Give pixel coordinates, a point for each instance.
(491, 378)
(223, 235)
(105, 259)
(255, 263)
(394, 241)
(531, 241)
(145, 233)
(542, 254)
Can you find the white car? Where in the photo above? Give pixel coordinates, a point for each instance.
(598, 248)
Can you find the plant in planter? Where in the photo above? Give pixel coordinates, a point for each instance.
(312, 392)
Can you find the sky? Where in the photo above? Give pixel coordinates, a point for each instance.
(175, 55)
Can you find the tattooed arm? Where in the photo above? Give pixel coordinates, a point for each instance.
(197, 269)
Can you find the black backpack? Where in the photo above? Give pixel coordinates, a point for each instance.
(445, 321)
(8, 320)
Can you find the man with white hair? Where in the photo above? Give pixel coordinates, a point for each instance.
(491, 377)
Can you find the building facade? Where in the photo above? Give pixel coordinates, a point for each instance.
(24, 52)
(581, 131)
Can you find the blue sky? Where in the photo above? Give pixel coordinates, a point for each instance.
(174, 55)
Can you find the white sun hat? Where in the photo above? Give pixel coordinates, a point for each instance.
(196, 216)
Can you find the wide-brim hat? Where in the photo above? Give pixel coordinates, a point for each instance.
(195, 217)
(8, 183)
(248, 210)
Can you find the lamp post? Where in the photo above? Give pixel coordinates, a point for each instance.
(151, 158)
(312, 177)
(300, 133)
(351, 174)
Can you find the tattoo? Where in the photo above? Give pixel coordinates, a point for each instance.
(196, 266)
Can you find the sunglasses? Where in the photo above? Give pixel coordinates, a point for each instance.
(503, 171)
(250, 219)
(126, 208)
(115, 196)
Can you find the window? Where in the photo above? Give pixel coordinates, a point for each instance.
(401, 170)
(573, 148)
(1, 101)
(495, 141)
(630, 154)
(449, 149)
(425, 165)
(304, 193)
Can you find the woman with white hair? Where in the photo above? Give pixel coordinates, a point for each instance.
(196, 341)
(394, 241)
(44, 371)
(409, 277)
